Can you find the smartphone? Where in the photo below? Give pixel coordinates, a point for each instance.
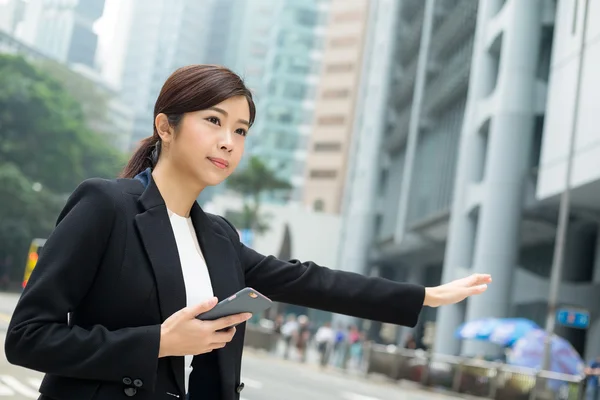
(246, 300)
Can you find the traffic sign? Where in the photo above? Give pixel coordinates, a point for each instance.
(573, 318)
(246, 237)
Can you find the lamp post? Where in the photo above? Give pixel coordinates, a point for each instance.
(564, 210)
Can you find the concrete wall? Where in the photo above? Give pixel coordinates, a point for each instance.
(561, 100)
(314, 236)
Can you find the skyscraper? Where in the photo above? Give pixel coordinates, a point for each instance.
(462, 168)
(159, 36)
(281, 63)
(63, 29)
(337, 94)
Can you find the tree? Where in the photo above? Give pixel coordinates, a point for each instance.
(43, 130)
(252, 182)
(28, 211)
(46, 150)
(92, 98)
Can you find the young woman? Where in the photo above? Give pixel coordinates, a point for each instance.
(110, 309)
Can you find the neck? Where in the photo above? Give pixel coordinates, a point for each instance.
(179, 190)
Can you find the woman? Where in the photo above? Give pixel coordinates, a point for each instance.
(109, 311)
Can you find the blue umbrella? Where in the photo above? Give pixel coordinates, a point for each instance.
(529, 352)
(501, 331)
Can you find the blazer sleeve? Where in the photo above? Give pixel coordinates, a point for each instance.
(310, 285)
(39, 336)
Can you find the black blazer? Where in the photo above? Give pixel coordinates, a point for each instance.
(109, 275)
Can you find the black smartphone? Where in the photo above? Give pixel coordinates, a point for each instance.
(246, 300)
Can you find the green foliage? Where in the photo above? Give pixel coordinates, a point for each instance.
(92, 98)
(252, 182)
(46, 150)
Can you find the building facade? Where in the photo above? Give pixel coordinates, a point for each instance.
(63, 29)
(328, 147)
(287, 89)
(115, 123)
(160, 36)
(471, 161)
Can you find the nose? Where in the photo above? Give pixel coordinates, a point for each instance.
(226, 140)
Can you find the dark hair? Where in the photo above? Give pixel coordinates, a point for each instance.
(191, 88)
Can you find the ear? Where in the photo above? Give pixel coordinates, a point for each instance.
(164, 129)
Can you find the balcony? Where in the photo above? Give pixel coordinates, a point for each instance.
(410, 39)
(456, 26)
(411, 9)
(451, 83)
(398, 132)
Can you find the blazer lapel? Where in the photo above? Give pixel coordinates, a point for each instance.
(154, 228)
(222, 263)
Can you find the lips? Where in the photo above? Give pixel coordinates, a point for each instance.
(219, 162)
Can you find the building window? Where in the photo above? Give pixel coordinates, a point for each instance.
(328, 146)
(323, 173)
(307, 18)
(344, 41)
(258, 50)
(378, 223)
(332, 120)
(336, 93)
(294, 90)
(337, 68)
(348, 16)
(319, 205)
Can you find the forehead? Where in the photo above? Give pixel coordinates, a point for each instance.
(236, 106)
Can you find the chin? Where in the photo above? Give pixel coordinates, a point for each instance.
(212, 179)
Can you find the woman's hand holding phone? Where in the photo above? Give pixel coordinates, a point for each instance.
(183, 334)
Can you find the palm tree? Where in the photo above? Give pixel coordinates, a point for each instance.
(252, 182)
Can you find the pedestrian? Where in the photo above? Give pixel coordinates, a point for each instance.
(324, 338)
(410, 343)
(110, 309)
(302, 337)
(593, 379)
(289, 333)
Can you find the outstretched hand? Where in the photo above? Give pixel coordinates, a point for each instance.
(456, 291)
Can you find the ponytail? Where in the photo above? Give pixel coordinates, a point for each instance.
(144, 157)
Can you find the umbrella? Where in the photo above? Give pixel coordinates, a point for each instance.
(501, 331)
(529, 352)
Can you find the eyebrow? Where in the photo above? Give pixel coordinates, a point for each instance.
(225, 113)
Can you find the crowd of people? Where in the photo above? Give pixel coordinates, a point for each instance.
(342, 347)
(336, 346)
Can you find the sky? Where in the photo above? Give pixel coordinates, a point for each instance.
(105, 29)
(106, 24)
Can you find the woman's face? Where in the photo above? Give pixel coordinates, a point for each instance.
(209, 144)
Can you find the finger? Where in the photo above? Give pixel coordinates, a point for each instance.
(224, 336)
(478, 279)
(475, 290)
(195, 310)
(231, 320)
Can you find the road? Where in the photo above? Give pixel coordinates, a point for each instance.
(8, 301)
(266, 377)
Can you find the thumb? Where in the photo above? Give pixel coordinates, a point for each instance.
(198, 309)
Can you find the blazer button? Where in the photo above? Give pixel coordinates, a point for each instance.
(138, 383)
(130, 391)
(127, 381)
(240, 387)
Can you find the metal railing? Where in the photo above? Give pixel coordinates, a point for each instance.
(490, 380)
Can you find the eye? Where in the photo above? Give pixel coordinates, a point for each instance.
(214, 120)
(242, 132)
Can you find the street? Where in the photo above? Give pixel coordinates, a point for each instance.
(266, 377)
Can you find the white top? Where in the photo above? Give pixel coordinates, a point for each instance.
(198, 287)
